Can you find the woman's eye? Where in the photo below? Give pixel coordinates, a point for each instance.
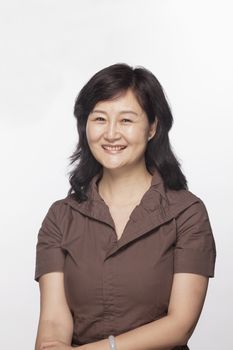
(125, 120)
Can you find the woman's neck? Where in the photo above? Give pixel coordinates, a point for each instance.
(124, 188)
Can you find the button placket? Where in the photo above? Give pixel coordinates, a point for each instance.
(108, 295)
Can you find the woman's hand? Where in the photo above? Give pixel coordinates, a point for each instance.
(55, 345)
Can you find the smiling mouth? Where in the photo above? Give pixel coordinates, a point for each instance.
(113, 149)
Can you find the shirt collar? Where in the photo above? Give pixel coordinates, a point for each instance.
(156, 207)
(152, 199)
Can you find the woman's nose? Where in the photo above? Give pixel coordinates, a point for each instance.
(112, 131)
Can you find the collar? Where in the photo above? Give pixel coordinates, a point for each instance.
(154, 198)
(155, 208)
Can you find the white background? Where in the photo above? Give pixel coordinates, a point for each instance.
(49, 49)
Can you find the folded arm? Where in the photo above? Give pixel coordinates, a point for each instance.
(185, 305)
(55, 322)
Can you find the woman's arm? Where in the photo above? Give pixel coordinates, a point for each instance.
(55, 322)
(185, 305)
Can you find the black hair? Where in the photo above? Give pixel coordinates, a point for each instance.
(106, 84)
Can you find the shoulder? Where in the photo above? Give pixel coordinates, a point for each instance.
(180, 201)
(57, 205)
(60, 208)
(179, 196)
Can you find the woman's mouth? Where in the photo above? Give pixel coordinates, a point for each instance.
(113, 149)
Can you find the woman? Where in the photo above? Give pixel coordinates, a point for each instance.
(123, 261)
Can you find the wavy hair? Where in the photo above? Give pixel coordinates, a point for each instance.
(109, 83)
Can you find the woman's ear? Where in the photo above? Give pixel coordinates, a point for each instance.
(153, 128)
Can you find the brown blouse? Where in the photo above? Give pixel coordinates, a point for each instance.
(111, 285)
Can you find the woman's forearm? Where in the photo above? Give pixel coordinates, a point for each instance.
(162, 334)
(49, 330)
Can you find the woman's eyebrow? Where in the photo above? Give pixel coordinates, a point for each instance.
(121, 112)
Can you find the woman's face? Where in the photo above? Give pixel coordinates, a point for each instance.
(118, 131)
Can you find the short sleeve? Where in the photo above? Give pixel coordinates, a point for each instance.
(49, 254)
(195, 249)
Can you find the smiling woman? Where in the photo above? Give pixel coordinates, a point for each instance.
(110, 133)
(124, 260)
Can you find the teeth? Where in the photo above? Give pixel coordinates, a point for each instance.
(114, 148)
